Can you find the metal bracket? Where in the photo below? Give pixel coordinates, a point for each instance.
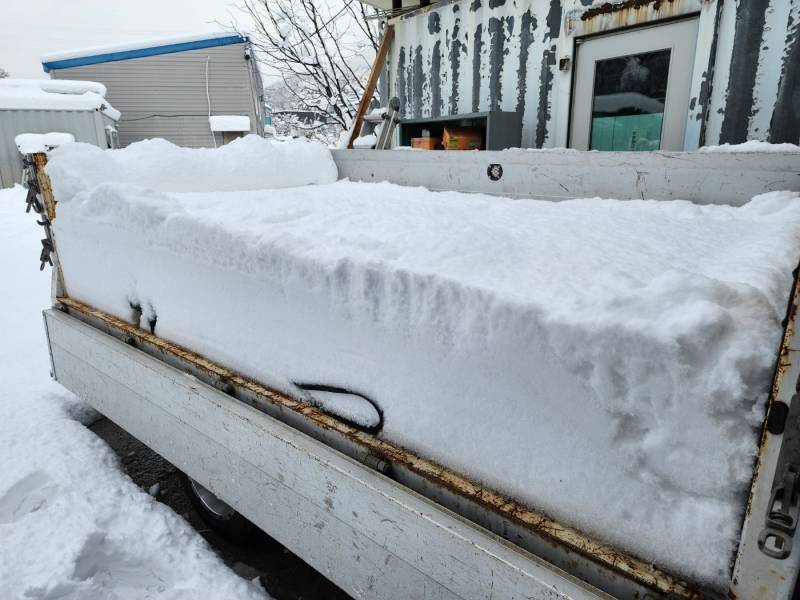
(44, 257)
(34, 202)
(775, 539)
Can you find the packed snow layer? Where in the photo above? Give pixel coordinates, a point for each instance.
(72, 525)
(604, 361)
(249, 163)
(46, 94)
(365, 141)
(229, 123)
(57, 86)
(751, 146)
(30, 143)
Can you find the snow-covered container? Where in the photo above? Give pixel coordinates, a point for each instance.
(42, 106)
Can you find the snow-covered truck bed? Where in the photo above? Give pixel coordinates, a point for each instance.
(587, 379)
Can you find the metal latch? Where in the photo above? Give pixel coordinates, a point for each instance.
(33, 201)
(783, 511)
(775, 539)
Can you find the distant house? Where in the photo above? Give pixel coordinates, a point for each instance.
(169, 88)
(78, 108)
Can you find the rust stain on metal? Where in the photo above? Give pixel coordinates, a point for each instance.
(782, 366)
(545, 526)
(49, 201)
(627, 13)
(608, 8)
(45, 188)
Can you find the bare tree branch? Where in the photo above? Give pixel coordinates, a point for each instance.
(320, 49)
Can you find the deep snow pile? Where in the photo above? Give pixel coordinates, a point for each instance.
(71, 524)
(249, 163)
(604, 361)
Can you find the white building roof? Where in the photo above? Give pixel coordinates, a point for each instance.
(140, 48)
(49, 94)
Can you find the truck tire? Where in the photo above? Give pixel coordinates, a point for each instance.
(219, 516)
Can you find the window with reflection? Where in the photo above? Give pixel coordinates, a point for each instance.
(628, 103)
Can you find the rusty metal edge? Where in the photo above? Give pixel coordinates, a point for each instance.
(633, 568)
(614, 17)
(624, 6)
(49, 201)
(782, 364)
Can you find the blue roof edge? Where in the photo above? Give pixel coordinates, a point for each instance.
(142, 52)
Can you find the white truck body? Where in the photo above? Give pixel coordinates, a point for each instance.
(377, 520)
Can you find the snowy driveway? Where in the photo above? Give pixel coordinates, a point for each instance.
(72, 525)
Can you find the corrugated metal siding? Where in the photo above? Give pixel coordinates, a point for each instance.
(463, 56)
(86, 126)
(174, 87)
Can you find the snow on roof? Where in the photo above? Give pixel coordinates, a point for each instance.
(28, 143)
(48, 94)
(229, 123)
(151, 47)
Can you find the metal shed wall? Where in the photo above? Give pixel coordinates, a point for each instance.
(463, 56)
(86, 125)
(165, 95)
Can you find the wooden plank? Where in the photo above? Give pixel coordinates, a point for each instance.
(372, 82)
(371, 536)
(46, 190)
(49, 201)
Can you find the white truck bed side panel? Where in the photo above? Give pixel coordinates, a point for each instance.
(700, 177)
(368, 534)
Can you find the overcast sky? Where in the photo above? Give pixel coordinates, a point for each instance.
(36, 27)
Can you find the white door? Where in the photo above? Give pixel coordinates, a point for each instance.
(632, 88)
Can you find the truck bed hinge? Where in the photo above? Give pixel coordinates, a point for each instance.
(775, 539)
(33, 202)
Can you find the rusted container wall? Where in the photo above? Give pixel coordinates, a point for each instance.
(756, 91)
(462, 56)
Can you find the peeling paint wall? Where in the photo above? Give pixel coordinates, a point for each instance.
(464, 56)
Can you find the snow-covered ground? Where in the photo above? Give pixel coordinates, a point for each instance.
(605, 361)
(72, 525)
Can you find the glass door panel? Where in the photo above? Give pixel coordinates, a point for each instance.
(628, 105)
(631, 88)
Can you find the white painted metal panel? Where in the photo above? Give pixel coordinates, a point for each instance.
(165, 95)
(703, 178)
(368, 534)
(757, 575)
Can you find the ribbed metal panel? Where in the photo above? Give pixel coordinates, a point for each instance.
(165, 95)
(86, 125)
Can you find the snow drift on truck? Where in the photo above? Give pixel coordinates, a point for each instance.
(604, 361)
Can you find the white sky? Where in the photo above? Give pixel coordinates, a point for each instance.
(29, 29)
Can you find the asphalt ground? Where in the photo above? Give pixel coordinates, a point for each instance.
(282, 574)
